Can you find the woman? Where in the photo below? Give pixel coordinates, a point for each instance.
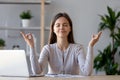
(62, 54)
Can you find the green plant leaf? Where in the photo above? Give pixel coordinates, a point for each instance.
(2, 42)
(26, 15)
(105, 59)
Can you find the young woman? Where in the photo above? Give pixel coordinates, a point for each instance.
(62, 54)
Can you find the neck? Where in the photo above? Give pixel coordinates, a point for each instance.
(62, 44)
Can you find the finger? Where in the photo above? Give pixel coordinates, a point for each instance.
(23, 34)
(29, 36)
(99, 34)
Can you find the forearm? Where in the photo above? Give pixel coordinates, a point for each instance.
(86, 62)
(36, 69)
(89, 61)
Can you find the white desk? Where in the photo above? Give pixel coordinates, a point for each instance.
(58, 78)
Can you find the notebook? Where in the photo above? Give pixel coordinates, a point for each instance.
(15, 63)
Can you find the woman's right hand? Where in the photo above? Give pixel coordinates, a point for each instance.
(28, 38)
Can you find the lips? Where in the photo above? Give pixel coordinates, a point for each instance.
(63, 31)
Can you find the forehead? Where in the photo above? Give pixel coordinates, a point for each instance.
(61, 20)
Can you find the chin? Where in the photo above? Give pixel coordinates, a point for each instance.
(63, 36)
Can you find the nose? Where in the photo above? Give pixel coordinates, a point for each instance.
(61, 26)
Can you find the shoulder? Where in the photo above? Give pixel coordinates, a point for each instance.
(49, 46)
(76, 46)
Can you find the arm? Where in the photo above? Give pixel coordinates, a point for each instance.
(86, 63)
(37, 67)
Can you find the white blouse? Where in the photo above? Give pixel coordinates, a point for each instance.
(71, 61)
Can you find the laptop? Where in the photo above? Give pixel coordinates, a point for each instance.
(15, 63)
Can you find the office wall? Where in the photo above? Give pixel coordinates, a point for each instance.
(85, 18)
(84, 14)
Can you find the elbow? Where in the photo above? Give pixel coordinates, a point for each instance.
(87, 72)
(36, 71)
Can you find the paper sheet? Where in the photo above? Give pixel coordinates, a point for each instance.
(63, 75)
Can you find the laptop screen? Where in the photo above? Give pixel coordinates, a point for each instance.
(13, 63)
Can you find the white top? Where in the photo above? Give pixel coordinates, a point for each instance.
(71, 61)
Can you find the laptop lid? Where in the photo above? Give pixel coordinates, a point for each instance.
(13, 63)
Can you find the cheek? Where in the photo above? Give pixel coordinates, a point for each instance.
(54, 30)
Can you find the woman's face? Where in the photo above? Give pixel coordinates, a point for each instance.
(61, 27)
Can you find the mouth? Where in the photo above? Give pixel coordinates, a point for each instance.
(62, 31)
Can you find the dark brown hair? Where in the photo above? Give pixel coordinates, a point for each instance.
(52, 36)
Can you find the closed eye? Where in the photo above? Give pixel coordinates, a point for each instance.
(65, 25)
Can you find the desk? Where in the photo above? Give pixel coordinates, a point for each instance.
(58, 78)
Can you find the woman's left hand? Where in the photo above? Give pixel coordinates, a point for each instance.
(95, 39)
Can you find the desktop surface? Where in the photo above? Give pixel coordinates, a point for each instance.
(110, 77)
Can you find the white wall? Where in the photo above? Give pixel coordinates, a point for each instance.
(84, 14)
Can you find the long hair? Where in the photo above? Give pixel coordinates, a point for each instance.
(52, 36)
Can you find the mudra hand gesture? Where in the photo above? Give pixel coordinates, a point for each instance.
(28, 38)
(94, 39)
